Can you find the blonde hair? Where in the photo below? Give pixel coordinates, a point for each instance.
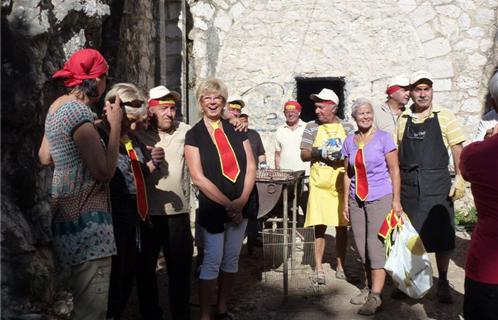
(211, 85)
(128, 92)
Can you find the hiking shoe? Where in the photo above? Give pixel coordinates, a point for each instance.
(320, 278)
(370, 307)
(444, 292)
(339, 274)
(398, 294)
(361, 297)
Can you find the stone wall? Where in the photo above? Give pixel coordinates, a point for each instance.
(259, 48)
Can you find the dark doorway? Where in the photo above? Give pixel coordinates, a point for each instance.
(307, 86)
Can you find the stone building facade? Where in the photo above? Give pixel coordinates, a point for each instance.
(263, 48)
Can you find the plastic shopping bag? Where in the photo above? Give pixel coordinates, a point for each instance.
(408, 262)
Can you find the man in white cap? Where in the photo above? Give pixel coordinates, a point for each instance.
(168, 230)
(234, 106)
(425, 132)
(398, 93)
(322, 144)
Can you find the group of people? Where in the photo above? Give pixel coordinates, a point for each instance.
(121, 192)
(121, 187)
(396, 159)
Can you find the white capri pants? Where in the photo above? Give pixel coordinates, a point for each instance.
(222, 250)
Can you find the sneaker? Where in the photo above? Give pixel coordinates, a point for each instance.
(398, 294)
(339, 274)
(444, 292)
(320, 278)
(370, 307)
(361, 297)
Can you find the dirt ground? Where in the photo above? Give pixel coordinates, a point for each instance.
(258, 293)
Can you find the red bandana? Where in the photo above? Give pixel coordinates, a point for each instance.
(83, 64)
(392, 89)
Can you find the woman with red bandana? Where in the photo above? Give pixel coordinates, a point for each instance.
(82, 223)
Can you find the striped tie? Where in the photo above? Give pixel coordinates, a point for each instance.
(142, 205)
(229, 165)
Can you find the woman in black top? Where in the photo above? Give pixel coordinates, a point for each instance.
(123, 192)
(225, 172)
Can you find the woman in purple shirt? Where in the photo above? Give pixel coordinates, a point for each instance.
(371, 164)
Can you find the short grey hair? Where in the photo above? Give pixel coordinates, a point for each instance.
(359, 102)
(128, 92)
(493, 87)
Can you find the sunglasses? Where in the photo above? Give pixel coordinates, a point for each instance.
(133, 103)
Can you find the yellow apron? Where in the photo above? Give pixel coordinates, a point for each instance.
(325, 203)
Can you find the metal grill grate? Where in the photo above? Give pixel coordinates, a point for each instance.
(278, 175)
(300, 260)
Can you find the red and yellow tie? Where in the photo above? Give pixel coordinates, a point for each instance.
(229, 165)
(142, 204)
(360, 169)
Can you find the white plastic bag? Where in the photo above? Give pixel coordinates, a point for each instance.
(408, 263)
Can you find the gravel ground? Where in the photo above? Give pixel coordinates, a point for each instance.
(258, 293)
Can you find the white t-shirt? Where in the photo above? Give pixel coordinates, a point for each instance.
(168, 189)
(288, 143)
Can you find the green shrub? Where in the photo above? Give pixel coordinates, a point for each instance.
(466, 218)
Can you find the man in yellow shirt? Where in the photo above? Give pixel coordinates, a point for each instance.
(425, 132)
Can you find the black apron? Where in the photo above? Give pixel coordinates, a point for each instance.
(425, 184)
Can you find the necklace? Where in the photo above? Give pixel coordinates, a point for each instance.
(361, 139)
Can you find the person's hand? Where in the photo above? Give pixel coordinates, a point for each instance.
(114, 113)
(156, 155)
(237, 218)
(240, 126)
(397, 208)
(457, 190)
(491, 132)
(263, 166)
(345, 213)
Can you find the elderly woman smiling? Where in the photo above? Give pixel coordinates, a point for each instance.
(222, 166)
(371, 164)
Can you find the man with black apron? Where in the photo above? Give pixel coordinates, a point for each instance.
(425, 132)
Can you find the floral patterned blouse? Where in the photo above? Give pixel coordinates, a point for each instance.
(82, 222)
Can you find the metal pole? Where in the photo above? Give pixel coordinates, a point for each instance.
(294, 222)
(286, 242)
(184, 77)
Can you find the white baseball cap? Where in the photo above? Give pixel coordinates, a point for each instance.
(400, 80)
(325, 95)
(236, 99)
(420, 75)
(162, 91)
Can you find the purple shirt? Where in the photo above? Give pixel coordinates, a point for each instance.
(379, 181)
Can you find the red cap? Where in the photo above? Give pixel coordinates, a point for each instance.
(83, 64)
(292, 105)
(161, 102)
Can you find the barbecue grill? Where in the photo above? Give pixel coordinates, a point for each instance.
(272, 185)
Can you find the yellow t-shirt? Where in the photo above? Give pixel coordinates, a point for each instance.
(450, 128)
